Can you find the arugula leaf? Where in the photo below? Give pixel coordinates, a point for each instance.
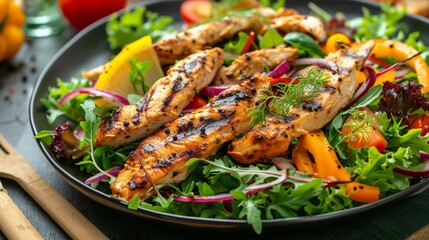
(329, 200)
(252, 214)
(45, 136)
(287, 201)
(135, 24)
(305, 44)
(90, 126)
(134, 203)
(270, 39)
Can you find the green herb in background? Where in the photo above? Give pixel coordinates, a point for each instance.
(135, 24)
(384, 25)
(275, 5)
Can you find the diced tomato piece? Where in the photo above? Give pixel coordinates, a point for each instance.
(421, 122)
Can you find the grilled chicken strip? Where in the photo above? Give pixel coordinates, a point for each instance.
(161, 157)
(300, 23)
(272, 138)
(205, 35)
(164, 101)
(253, 64)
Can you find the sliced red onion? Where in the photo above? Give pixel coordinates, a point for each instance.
(370, 80)
(94, 92)
(292, 73)
(400, 74)
(282, 163)
(424, 155)
(414, 172)
(282, 68)
(207, 199)
(211, 91)
(253, 189)
(101, 176)
(316, 61)
(250, 190)
(396, 65)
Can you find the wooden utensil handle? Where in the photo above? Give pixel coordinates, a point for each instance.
(62, 211)
(13, 223)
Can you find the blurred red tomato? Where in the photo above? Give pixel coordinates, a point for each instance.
(81, 13)
(194, 11)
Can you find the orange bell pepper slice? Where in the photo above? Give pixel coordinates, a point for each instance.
(301, 159)
(400, 51)
(326, 160)
(327, 165)
(362, 192)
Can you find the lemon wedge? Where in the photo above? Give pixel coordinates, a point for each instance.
(115, 76)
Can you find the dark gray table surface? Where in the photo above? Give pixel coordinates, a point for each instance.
(394, 221)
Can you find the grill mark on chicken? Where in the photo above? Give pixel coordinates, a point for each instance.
(197, 134)
(272, 138)
(205, 35)
(253, 64)
(164, 101)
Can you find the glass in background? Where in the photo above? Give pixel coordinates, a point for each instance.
(43, 18)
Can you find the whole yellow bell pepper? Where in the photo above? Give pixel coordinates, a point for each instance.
(12, 19)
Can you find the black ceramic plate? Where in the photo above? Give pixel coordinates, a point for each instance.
(89, 49)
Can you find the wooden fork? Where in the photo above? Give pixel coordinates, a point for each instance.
(14, 166)
(13, 223)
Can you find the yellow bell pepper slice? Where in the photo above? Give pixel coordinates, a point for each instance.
(400, 51)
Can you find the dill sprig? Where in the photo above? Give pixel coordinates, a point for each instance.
(281, 97)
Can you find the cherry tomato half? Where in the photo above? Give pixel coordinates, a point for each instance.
(196, 103)
(421, 122)
(81, 13)
(194, 11)
(363, 133)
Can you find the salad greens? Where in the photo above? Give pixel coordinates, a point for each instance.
(387, 25)
(71, 109)
(134, 24)
(305, 44)
(250, 190)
